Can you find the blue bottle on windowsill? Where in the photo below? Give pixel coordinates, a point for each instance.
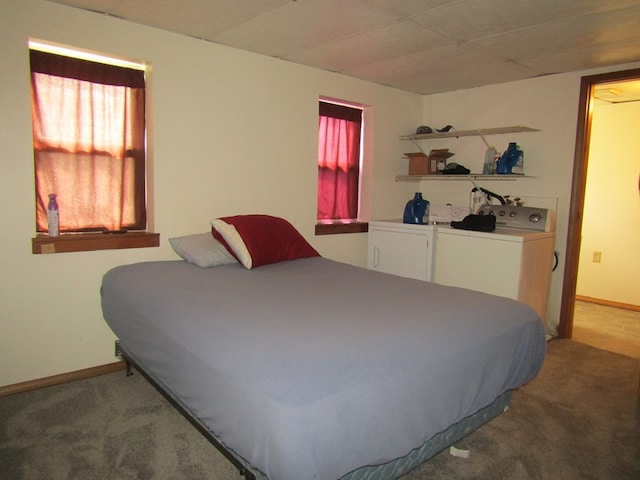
(416, 210)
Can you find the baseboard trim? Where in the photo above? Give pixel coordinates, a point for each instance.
(62, 378)
(608, 303)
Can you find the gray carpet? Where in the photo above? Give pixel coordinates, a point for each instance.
(580, 419)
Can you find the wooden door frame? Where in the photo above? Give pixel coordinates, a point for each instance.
(578, 184)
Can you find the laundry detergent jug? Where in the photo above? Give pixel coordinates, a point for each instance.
(511, 161)
(416, 210)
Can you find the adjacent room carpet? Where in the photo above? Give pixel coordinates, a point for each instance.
(579, 419)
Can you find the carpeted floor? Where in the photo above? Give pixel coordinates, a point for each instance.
(572, 422)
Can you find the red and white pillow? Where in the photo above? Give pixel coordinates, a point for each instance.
(256, 240)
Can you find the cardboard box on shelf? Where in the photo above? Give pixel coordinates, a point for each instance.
(421, 164)
(418, 163)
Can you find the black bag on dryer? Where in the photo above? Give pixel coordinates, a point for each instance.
(478, 223)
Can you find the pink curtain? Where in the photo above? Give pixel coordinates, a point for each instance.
(338, 161)
(89, 143)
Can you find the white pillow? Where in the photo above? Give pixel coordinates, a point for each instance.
(202, 250)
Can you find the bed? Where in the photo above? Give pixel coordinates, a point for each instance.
(299, 367)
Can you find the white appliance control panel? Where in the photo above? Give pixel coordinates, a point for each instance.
(521, 218)
(445, 214)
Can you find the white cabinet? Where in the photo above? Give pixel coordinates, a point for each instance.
(401, 249)
(509, 263)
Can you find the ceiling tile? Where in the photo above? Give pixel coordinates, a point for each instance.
(197, 18)
(299, 25)
(474, 19)
(103, 6)
(614, 53)
(454, 58)
(555, 37)
(408, 7)
(467, 78)
(398, 39)
(423, 46)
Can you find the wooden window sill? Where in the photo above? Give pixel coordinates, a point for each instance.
(337, 227)
(85, 242)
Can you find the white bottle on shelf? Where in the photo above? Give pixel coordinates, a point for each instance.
(53, 216)
(489, 167)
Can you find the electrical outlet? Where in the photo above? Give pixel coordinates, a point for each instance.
(597, 256)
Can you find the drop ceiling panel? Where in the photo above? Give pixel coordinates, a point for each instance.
(563, 35)
(475, 19)
(299, 25)
(420, 67)
(408, 7)
(614, 53)
(410, 44)
(489, 73)
(199, 18)
(469, 20)
(105, 6)
(390, 41)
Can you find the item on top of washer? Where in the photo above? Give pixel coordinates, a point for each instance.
(416, 210)
(423, 129)
(488, 195)
(478, 223)
(455, 169)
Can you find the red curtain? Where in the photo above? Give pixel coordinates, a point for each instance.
(89, 143)
(338, 161)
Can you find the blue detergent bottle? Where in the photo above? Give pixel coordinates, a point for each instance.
(511, 161)
(416, 210)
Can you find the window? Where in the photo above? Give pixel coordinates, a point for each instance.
(89, 143)
(339, 159)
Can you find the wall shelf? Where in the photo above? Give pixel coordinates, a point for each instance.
(481, 132)
(472, 176)
(469, 133)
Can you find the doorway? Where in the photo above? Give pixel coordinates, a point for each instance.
(587, 87)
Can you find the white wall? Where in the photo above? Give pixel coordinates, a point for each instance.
(611, 219)
(233, 133)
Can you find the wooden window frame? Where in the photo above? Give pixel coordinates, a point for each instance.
(338, 227)
(42, 243)
(85, 242)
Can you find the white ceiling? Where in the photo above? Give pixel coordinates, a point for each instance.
(618, 92)
(421, 46)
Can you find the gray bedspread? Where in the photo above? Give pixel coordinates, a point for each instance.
(312, 368)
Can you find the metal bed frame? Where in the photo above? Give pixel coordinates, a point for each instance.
(243, 467)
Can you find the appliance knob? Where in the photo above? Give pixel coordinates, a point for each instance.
(502, 213)
(535, 217)
(512, 213)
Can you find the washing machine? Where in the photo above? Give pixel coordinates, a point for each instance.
(514, 261)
